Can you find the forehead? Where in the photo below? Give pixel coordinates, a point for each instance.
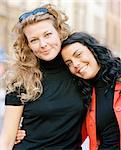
(39, 27)
(73, 47)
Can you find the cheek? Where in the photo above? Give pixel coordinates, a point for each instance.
(36, 52)
(62, 54)
(94, 62)
(34, 48)
(55, 39)
(72, 70)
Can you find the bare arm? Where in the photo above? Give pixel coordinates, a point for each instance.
(11, 122)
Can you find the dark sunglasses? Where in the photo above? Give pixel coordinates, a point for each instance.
(35, 11)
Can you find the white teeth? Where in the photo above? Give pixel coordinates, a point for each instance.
(83, 69)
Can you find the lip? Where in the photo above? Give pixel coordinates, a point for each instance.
(82, 69)
(46, 52)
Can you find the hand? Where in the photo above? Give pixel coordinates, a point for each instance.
(20, 136)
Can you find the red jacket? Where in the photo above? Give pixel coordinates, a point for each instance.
(89, 127)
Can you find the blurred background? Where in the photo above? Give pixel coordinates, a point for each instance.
(101, 18)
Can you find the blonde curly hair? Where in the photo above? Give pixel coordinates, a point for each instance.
(25, 72)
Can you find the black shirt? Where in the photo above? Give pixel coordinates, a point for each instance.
(53, 121)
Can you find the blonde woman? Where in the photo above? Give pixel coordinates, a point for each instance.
(41, 89)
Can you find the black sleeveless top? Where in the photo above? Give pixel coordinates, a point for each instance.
(53, 121)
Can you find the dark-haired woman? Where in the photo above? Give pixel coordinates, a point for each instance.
(100, 83)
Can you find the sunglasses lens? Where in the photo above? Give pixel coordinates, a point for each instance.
(24, 16)
(36, 11)
(40, 10)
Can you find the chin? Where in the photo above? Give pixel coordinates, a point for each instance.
(48, 58)
(85, 77)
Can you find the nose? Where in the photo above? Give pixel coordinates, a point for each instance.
(43, 43)
(76, 63)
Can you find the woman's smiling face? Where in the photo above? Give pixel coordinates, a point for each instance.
(80, 60)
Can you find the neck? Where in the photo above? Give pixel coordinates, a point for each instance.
(52, 64)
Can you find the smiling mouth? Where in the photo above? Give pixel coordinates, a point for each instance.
(82, 69)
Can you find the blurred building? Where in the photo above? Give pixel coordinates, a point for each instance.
(3, 24)
(101, 18)
(113, 26)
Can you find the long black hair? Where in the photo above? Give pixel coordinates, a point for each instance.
(111, 66)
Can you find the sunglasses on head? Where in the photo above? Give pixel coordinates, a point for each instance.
(35, 11)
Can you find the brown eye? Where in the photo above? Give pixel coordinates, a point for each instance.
(48, 34)
(78, 55)
(69, 63)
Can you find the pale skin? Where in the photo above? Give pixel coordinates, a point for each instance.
(11, 122)
(45, 43)
(43, 39)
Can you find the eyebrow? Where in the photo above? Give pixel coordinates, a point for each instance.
(72, 55)
(75, 52)
(33, 38)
